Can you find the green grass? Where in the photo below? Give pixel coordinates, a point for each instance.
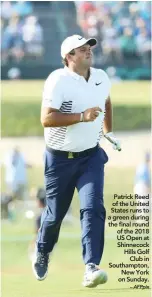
(127, 92)
(65, 273)
(66, 267)
(21, 118)
(21, 104)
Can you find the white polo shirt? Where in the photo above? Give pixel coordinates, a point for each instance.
(71, 93)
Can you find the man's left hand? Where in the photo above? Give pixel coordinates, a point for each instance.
(116, 143)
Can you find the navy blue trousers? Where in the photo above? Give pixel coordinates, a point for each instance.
(62, 176)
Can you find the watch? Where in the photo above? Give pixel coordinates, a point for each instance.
(81, 117)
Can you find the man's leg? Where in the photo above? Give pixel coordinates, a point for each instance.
(92, 212)
(60, 185)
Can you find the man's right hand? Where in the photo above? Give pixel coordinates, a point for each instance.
(91, 114)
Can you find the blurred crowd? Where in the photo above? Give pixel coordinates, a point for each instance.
(123, 28)
(21, 33)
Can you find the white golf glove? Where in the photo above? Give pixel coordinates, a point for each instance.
(116, 143)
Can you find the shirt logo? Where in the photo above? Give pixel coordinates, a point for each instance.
(97, 84)
(80, 38)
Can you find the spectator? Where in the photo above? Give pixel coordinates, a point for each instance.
(128, 44)
(14, 73)
(22, 8)
(33, 37)
(5, 202)
(6, 10)
(92, 25)
(133, 10)
(143, 45)
(12, 45)
(110, 44)
(87, 17)
(139, 24)
(85, 8)
(145, 9)
(10, 8)
(112, 73)
(16, 174)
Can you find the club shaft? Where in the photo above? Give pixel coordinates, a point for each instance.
(110, 140)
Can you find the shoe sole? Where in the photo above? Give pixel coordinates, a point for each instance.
(37, 277)
(98, 280)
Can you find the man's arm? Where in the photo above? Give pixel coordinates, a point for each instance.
(107, 125)
(51, 117)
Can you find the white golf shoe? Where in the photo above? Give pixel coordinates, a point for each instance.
(94, 276)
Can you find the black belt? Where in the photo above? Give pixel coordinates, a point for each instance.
(71, 155)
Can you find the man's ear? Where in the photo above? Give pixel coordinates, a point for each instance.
(69, 57)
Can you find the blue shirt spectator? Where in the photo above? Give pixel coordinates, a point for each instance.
(23, 8)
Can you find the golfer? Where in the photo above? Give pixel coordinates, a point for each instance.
(76, 112)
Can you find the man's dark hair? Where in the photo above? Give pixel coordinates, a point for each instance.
(65, 61)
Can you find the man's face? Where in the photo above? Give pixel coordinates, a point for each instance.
(82, 56)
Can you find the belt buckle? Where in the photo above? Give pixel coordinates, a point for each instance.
(70, 155)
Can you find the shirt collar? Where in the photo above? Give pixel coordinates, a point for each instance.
(74, 74)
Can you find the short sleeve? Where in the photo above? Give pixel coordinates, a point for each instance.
(52, 92)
